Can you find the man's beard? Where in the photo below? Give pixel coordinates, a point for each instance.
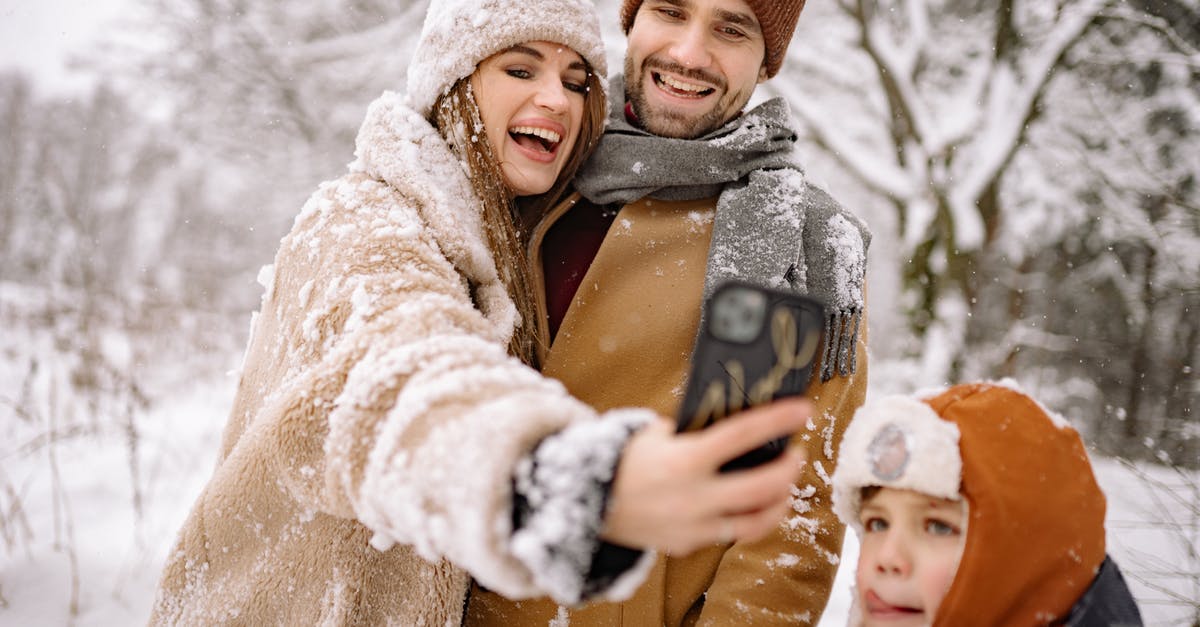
(663, 121)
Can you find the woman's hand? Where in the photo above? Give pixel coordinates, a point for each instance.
(669, 495)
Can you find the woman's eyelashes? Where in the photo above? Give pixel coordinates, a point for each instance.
(571, 84)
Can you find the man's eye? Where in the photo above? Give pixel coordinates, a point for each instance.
(939, 528)
(875, 524)
(732, 33)
(673, 14)
(519, 73)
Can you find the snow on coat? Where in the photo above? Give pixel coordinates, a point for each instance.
(365, 472)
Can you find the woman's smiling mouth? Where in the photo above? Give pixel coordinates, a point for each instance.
(536, 142)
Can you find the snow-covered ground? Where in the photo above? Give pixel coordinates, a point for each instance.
(88, 543)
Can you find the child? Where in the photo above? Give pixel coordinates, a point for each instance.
(975, 507)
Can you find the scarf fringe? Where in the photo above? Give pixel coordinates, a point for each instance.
(840, 356)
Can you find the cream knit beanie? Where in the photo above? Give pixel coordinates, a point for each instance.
(458, 34)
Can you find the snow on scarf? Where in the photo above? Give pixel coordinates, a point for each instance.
(772, 227)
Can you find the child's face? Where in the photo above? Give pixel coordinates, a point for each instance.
(908, 555)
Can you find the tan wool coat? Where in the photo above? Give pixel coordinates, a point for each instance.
(364, 474)
(627, 339)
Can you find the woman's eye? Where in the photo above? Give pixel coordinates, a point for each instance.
(939, 528)
(519, 73)
(875, 524)
(579, 88)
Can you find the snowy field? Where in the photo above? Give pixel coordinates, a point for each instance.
(73, 533)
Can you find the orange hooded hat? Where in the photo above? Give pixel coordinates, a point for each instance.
(1035, 530)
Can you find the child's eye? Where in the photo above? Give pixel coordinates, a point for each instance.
(939, 528)
(875, 524)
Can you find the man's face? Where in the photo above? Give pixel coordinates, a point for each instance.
(691, 65)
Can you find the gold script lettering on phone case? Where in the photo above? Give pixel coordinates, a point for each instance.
(790, 355)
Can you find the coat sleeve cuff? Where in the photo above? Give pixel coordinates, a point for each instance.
(560, 494)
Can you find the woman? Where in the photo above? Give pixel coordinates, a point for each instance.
(391, 438)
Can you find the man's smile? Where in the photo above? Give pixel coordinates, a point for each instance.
(680, 87)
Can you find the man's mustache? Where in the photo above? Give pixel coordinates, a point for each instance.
(665, 65)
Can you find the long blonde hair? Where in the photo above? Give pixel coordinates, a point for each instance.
(456, 116)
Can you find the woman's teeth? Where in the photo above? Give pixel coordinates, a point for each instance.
(542, 133)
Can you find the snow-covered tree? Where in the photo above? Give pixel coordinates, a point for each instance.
(992, 134)
(278, 88)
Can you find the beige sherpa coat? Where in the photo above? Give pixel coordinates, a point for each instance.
(365, 471)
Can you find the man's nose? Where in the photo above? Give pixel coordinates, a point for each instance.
(690, 48)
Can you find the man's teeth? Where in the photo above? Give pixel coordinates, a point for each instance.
(545, 134)
(680, 85)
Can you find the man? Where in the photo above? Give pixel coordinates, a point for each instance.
(686, 190)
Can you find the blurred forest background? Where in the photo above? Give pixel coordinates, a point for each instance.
(1029, 169)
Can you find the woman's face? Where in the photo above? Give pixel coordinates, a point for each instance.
(531, 100)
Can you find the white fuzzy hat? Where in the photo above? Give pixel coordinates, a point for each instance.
(895, 442)
(458, 34)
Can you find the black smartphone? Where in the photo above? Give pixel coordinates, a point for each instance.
(755, 345)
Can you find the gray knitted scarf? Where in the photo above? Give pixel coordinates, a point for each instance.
(771, 227)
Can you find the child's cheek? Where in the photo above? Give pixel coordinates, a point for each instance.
(937, 584)
(860, 573)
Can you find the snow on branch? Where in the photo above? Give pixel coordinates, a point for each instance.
(881, 176)
(1164, 27)
(360, 44)
(1012, 99)
(1027, 335)
(897, 65)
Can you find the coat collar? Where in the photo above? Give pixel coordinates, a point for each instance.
(399, 146)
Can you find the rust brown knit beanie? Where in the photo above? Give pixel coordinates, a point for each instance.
(777, 18)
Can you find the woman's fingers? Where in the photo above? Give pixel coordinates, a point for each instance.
(668, 493)
(747, 430)
(750, 526)
(755, 488)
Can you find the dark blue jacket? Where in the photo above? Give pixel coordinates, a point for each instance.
(1107, 602)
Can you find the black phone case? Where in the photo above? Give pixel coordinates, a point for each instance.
(756, 362)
